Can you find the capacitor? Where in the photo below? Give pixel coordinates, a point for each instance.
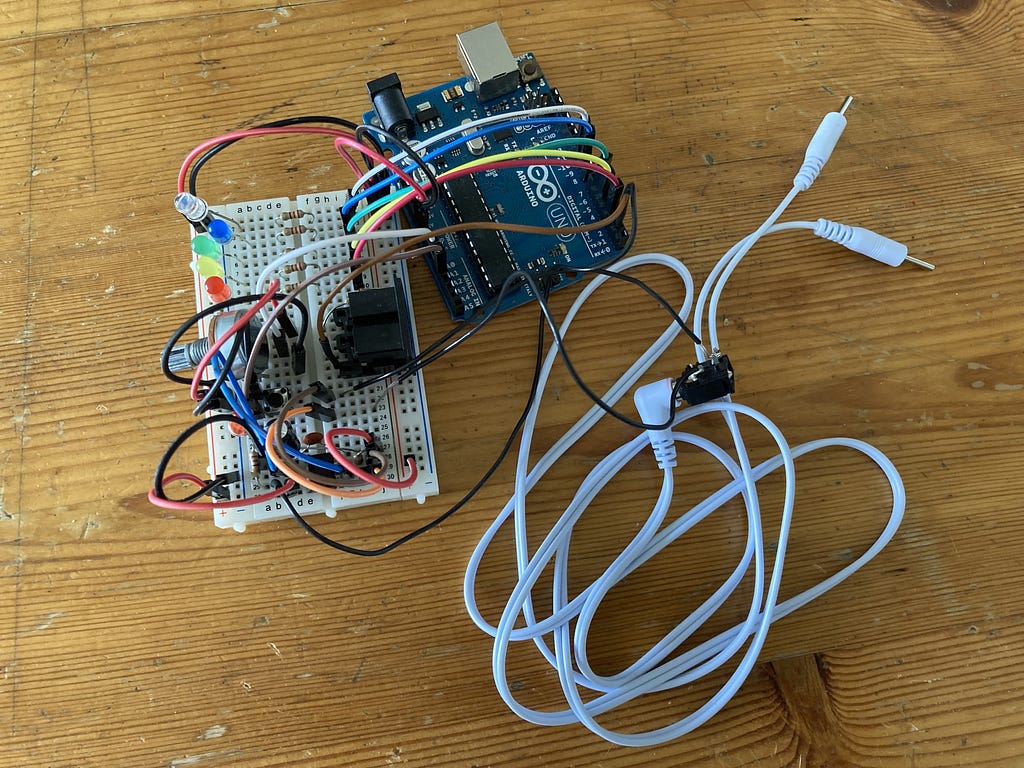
(312, 438)
(391, 107)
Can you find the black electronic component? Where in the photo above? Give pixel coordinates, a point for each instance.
(489, 248)
(427, 113)
(298, 359)
(322, 393)
(273, 398)
(529, 69)
(537, 100)
(376, 333)
(706, 381)
(322, 403)
(452, 93)
(439, 265)
(280, 342)
(219, 485)
(391, 107)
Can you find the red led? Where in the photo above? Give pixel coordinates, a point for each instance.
(217, 289)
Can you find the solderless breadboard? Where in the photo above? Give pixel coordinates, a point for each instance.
(396, 416)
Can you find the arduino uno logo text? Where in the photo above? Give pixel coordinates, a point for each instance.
(541, 189)
(544, 188)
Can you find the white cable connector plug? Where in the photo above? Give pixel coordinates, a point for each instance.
(867, 243)
(653, 403)
(819, 150)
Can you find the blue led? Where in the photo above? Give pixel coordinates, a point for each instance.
(219, 230)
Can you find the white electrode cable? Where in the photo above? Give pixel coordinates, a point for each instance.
(562, 635)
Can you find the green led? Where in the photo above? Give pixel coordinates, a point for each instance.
(205, 246)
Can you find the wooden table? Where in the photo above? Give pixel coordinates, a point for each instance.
(131, 636)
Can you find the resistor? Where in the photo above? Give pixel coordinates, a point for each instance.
(290, 215)
(254, 464)
(298, 266)
(297, 229)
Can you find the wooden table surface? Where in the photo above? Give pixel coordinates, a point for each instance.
(130, 636)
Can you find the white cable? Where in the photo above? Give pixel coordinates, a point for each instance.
(561, 636)
(284, 258)
(650, 672)
(472, 125)
(289, 256)
(711, 290)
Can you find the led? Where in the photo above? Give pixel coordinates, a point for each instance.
(203, 245)
(191, 207)
(219, 231)
(207, 267)
(217, 289)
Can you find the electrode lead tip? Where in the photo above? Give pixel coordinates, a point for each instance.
(921, 263)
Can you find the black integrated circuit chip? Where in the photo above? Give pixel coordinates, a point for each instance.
(489, 248)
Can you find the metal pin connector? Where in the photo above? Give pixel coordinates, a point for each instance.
(846, 104)
(921, 263)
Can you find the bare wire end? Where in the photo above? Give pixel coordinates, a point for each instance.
(921, 263)
(846, 104)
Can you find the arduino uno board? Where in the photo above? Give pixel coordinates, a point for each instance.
(474, 264)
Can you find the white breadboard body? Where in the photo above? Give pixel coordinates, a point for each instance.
(396, 417)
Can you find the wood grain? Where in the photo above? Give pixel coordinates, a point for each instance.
(133, 636)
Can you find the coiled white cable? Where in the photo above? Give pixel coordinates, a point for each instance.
(651, 672)
(562, 635)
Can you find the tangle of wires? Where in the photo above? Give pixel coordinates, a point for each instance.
(386, 202)
(396, 187)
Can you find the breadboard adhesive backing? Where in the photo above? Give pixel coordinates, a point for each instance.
(396, 417)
